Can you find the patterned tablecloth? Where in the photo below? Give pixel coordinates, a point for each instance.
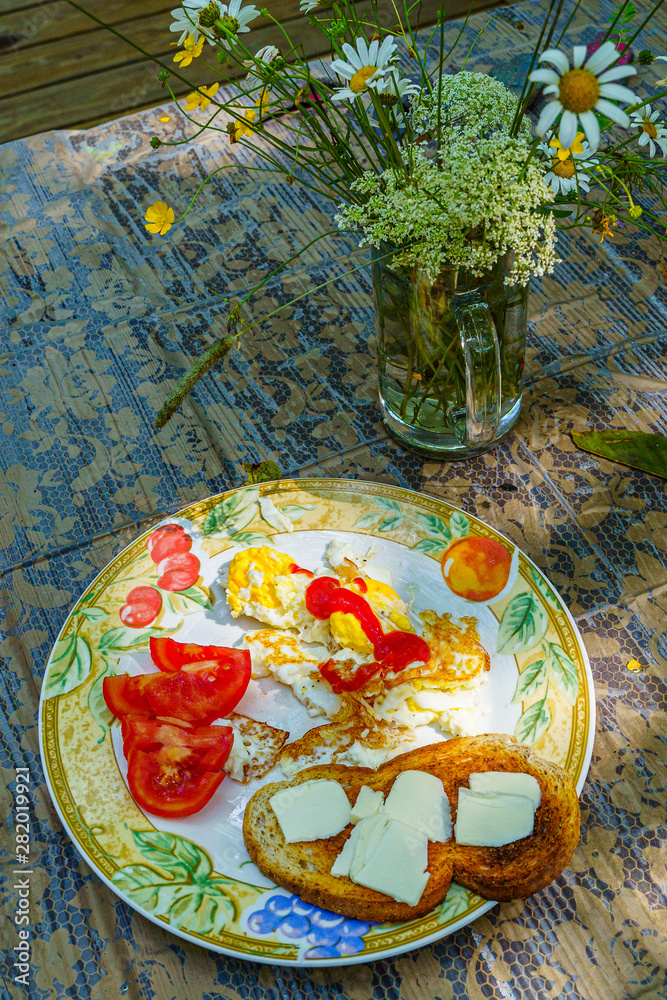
(100, 320)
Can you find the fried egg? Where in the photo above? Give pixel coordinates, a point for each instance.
(283, 656)
(269, 586)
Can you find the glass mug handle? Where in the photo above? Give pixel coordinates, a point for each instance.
(479, 422)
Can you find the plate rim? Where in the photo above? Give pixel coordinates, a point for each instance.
(336, 485)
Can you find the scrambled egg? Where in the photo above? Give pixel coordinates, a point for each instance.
(262, 584)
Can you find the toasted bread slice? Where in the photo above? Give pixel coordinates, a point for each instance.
(510, 872)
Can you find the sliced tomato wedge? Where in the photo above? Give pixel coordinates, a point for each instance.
(124, 695)
(169, 655)
(200, 692)
(170, 781)
(348, 676)
(211, 744)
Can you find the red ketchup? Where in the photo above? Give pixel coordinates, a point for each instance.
(299, 569)
(392, 650)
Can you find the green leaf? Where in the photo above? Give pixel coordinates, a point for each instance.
(233, 513)
(252, 538)
(434, 526)
(430, 545)
(534, 722)
(189, 906)
(173, 853)
(390, 522)
(367, 520)
(386, 504)
(295, 511)
(262, 472)
(128, 638)
(563, 672)
(71, 667)
(530, 680)
(634, 448)
(455, 903)
(187, 601)
(459, 525)
(94, 614)
(544, 588)
(523, 624)
(96, 703)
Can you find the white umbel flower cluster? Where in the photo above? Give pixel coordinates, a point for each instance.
(469, 211)
(472, 105)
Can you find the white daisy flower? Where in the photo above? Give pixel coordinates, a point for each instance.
(213, 17)
(652, 133)
(570, 167)
(582, 89)
(185, 22)
(308, 5)
(393, 88)
(366, 65)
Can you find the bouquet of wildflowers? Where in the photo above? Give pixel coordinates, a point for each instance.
(438, 169)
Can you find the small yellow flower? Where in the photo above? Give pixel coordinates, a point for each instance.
(192, 51)
(242, 127)
(576, 147)
(159, 218)
(201, 98)
(263, 102)
(604, 224)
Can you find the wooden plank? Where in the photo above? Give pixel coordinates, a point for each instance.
(45, 64)
(105, 78)
(57, 19)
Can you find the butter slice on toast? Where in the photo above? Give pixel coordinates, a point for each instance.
(513, 871)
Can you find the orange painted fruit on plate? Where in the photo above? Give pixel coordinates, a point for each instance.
(476, 568)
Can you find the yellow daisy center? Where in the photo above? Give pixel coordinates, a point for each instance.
(650, 129)
(358, 81)
(563, 168)
(579, 91)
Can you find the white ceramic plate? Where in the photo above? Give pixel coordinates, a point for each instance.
(192, 875)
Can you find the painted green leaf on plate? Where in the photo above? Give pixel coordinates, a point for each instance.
(523, 624)
(128, 638)
(234, 513)
(530, 680)
(534, 722)
(544, 588)
(252, 538)
(390, 522)
(563, 672)
(459, 525)
(432, 546)
(187, 601)
(634, 448)
(295, 511)
(70, 667)
(367, 520)
(434, 526)
(97, 706)
(188, 895)
(94, 614)
(455, 902)
(386, 504)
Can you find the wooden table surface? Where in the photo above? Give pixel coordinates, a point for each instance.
(100, 319)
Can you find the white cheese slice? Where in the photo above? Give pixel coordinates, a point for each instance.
(489, 819)
(396, 866)
(507, 783)
(419, 800)
(312, 810)
(341, 865)
(367, 804)
(369, 835)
